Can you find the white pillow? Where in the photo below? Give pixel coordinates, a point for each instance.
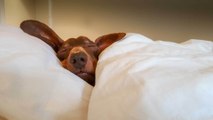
(141, 79)
(33, 84)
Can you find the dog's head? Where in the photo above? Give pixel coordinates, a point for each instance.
(78, 55)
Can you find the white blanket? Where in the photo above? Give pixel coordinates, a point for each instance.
(136, 79)
(33, 84)
(141, 79)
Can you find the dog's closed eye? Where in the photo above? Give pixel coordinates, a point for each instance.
(91, 45)
(63, 53)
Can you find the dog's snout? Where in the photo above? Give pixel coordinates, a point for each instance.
(78, 60)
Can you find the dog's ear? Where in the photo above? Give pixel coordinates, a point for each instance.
(42, 31)
(106, 40)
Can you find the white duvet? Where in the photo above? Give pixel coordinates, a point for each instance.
(33, 85)
(141, 79)
(136, 79)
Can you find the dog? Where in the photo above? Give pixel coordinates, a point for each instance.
(78, 55)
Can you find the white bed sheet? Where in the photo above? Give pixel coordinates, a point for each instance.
(141, 79)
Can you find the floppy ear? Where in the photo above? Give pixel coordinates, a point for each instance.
(106, 40)
(42, 31)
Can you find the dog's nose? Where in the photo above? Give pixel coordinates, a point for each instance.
(78, 60)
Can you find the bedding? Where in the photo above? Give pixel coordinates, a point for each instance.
(136, 79)
(141, 79)
(33, 85)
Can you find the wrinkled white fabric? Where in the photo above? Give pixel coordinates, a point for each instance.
(33, 84)
(141, 79)
(136, 79)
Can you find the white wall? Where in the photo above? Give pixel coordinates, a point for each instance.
(18, 10)
(176, 20)
(172, 20)
(2, 15)
(42, 11)
(15, 11)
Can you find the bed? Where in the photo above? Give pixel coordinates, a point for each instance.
(136, 79)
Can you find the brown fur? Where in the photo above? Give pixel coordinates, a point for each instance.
(78, 55)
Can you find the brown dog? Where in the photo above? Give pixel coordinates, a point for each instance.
(78, 55)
